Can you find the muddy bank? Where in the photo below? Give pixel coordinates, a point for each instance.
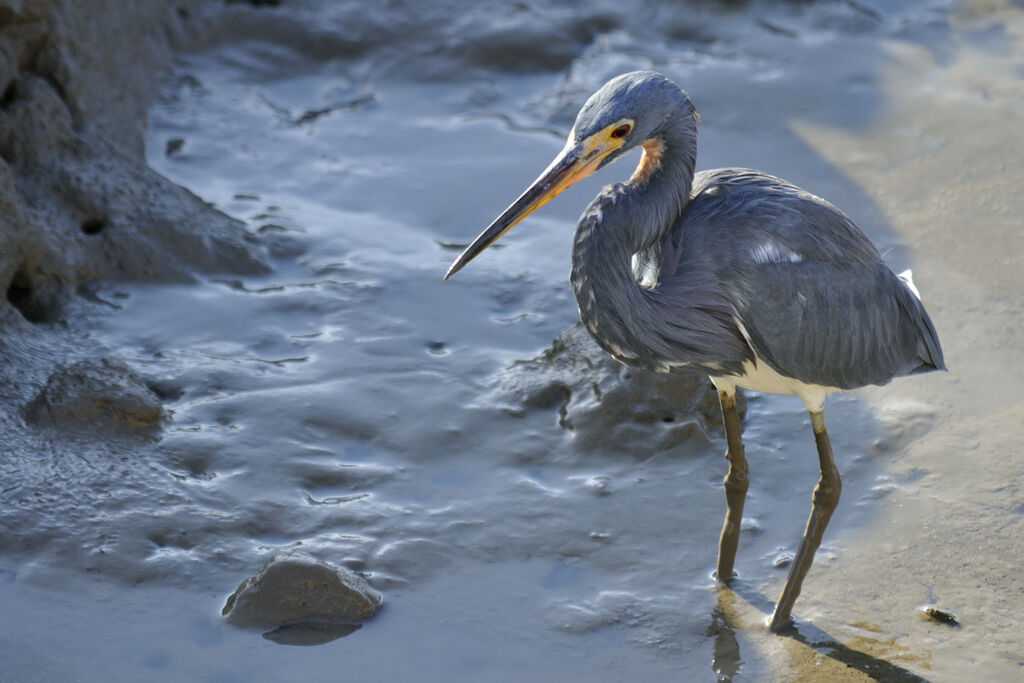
(80, 202)
(81, 205)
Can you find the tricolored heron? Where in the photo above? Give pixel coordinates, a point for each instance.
(733, 272)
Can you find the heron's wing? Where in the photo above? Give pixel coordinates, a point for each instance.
(815, 299)
(736, 211)
(837, 326)
(690, 322)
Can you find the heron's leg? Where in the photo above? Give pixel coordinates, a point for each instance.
(823, 503)
(736, 482)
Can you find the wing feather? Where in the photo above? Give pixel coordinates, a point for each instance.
(813, 294)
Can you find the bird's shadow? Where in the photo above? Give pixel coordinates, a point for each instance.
(727, 659)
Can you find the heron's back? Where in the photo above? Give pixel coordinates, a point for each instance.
(811, 293)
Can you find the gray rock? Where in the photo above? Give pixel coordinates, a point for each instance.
(297, 588)
(608, 406)
(77, 200)
(96, 395)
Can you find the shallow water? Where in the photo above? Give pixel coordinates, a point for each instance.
(347, 402)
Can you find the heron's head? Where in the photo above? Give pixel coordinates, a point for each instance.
(630, 110)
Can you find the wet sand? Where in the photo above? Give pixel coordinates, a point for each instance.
(350, 403)
(950, 186)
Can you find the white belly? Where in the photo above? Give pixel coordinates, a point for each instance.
(759, 376)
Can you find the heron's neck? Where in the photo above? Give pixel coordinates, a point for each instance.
(631, 217)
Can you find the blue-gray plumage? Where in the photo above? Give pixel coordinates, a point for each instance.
(757, 282)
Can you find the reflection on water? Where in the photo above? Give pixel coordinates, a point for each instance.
(741, 606)
(310, 634)
(727, 660)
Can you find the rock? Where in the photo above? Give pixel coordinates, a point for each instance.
(296, 588)
(939, 615)
(608, 406)
(782, 560)
(96, 395)
(77, 200)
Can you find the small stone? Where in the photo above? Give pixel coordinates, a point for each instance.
(173, 146)
(599, 485)
(297, 588)
(97, 395)
(939, 615)
(782, 560)
(750, 525)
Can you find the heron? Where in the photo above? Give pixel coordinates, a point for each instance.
(731, 272)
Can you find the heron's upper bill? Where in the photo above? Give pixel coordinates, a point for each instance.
(576, 161)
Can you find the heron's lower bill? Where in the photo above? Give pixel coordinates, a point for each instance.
(575, 162)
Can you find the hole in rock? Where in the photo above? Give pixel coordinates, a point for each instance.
(10, 94)
(93, 226)
(21, 295)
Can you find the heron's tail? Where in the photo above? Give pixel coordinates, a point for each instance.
(929, 351)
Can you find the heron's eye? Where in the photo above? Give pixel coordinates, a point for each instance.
(622, 131)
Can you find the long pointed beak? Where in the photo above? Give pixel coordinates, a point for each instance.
(574, 162)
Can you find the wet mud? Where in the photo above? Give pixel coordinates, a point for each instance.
(526, 508)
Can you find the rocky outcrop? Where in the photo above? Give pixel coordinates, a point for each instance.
(610, 407)
(77, 199)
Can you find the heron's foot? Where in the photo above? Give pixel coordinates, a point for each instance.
(780, 623)
(725, 578)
